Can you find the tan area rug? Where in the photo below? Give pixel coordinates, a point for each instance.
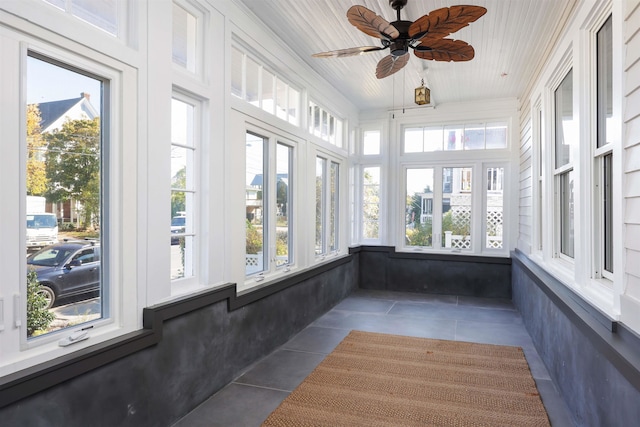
(375, 379)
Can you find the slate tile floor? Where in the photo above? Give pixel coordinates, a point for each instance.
(249, 399)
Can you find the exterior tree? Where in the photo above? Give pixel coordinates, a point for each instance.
(73, 166)
(36, 173)
(178, 200)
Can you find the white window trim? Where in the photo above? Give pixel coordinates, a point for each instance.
(120, 272)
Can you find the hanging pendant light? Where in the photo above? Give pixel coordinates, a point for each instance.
(422, 94)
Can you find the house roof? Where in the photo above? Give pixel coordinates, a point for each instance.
(51, 112)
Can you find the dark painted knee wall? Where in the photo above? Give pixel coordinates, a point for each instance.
(382, 268)
(199, 352)
(593, 361)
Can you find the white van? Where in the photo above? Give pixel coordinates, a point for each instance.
(42, 230)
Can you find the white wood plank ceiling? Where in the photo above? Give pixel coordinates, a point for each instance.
(510, 42)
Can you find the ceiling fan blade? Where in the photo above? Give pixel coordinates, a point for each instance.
(391, 64)
(369, 23)
(445, 50)
(441, 22)
(352, 51)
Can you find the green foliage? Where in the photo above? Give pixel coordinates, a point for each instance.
(178, 200)
(38, 317)
(421, 235)
(73, 166)
(282, 244)
(456, 227)
(253, 238)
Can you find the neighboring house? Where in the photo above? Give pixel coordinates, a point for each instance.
(53, 115)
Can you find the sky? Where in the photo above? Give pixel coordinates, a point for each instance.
(47, 82)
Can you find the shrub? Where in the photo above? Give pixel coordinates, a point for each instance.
(38, 316)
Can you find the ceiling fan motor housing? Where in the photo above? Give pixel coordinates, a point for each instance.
(397, 4)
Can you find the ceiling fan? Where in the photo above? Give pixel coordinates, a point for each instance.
(426, 36)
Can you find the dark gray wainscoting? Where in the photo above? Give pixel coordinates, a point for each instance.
(382, 268)
(189, 349)
(594, 361)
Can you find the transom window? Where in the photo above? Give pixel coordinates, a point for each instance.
(470, 136)
(261, 87)
(324, 125)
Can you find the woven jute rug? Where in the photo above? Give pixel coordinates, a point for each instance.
(375, 379)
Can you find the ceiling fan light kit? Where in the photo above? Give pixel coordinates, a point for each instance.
(425, 36)
(422, 94)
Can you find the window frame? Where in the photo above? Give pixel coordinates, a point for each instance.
(271, 140)
(119, 164)
(184, 284)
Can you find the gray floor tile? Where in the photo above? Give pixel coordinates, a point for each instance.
(365, 305)
(282, 369)
(235, 405)
(498, 303)
(249, 400)
(493, 333)
(316, 339)
(407, 296)
(465, 313)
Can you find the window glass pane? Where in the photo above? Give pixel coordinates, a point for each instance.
(371, 202)
(413, 140)
(419, 207)
(182, 189)
(64, 199)
(453, 137)
(293, 106)
(607, 213)
(281, 99)
(236, 72)
(334, 206)
(184, 38)
(456, 208)
(566, 213)
(284, 207)
(103, 14)
(371, 142)
(252, 82)
(255, 204)
(496, 135)
(324, 126)
(474, 136)
(495, 198)
(565, 126)
(320, 174)
(268, 101)
(605, 76)
(433, 138)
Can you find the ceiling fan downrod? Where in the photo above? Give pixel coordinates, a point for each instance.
(397, 5)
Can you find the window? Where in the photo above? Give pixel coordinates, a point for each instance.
(185, 37)
(371, 143)
(420, 185)
(184, 130)
(565, 137)
(256, 203)
(269, 205)
(254, 83)
(64, 181)
(456, 208)
(104, 14)
(327, 183)
(324, 125)
(494, 202)
(371, 202)
(471, 136)
(603, 153)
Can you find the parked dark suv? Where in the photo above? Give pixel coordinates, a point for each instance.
(67, 269)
